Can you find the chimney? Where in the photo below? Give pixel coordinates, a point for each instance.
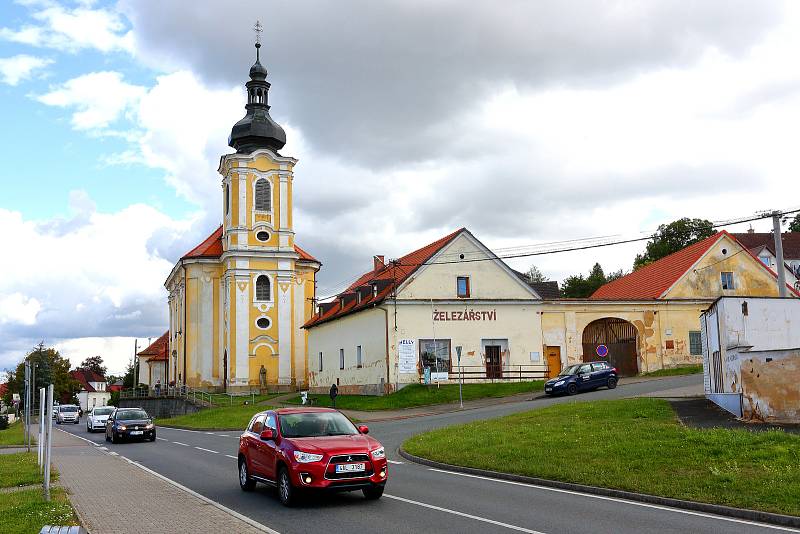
(750, 230)
(377, 263)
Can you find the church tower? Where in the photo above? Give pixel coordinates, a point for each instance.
(249, 324)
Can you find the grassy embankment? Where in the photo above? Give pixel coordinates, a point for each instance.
(20, 469)
(633, 444)
(677, 371)
(421, 395)
(225, 416)
(13, 435)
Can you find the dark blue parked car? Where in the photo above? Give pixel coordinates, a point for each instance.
(582, 377)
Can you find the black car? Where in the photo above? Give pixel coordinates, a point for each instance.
(130, 423)
(582, 377)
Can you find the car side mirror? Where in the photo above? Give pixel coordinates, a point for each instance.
(364, 429)
(268, 434)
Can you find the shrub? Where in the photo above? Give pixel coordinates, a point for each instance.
(3, 422)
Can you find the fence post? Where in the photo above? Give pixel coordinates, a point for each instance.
(42, 413)
(49, 447)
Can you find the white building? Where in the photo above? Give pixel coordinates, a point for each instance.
(153, 362)
(413, 313)
(93, 389)
(751, 356)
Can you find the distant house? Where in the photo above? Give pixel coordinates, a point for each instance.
(751, 357)
(93, 391)
(762, 246)
(153, 362)
(116, 386)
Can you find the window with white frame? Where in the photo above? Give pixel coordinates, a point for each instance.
(726, 278)
(359, 363)
(263, 195)
(262, 288)
(341, 358)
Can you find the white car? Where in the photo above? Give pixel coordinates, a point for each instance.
(96, 419)
(68, 413)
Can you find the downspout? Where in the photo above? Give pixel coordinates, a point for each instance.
(386, 331)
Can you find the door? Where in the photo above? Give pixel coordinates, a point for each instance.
(270, 454)
(494, 367)
(553, 361)
(256, 447)
(585, 377)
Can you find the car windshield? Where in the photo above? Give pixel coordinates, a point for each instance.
(69, 408)
(569, 371)
(129, 415)
(316, 424)
(103, 411)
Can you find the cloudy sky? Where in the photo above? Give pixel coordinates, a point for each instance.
(527, 122)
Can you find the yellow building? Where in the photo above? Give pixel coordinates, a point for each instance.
(238, 300)
(650, 319)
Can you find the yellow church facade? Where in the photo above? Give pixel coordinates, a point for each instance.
(238, 300)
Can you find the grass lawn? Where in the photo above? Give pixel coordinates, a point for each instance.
(228, 418)
(220, 400)
(421, 395)
(23, 512)
(13, 435)
(677, 371)
(635, 445)
(20, 469)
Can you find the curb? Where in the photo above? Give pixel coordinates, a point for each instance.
(200, 429)
(717, 509)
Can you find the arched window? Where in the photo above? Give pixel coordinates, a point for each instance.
(263, 199)
(262, 288)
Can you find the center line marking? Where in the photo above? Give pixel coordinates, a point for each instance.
(229, 456)
(162, 439)
(462, 514)
(179, 443)
(394, 462)
(207, 450)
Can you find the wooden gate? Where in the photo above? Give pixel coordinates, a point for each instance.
(620, 339)
(494, 365)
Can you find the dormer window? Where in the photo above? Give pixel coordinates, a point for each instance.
(358, 297)
(341, 303)
(462, 287)
(374, 290)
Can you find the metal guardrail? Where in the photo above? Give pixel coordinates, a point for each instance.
(196, 396)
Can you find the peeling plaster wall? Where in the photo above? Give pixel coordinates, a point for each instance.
(768, 382)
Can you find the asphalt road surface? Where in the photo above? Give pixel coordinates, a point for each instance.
(418, 498)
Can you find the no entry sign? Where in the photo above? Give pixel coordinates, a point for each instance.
(601, 351)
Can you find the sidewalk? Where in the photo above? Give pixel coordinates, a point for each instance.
(111, 495)
(434, 409)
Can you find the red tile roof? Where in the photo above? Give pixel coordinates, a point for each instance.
(653, 280)
(3, 389)
(158, 349)
(388, 277)
(211, 247)
(790, 240)
(84, 376)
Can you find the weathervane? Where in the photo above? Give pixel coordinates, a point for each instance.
(258, 28)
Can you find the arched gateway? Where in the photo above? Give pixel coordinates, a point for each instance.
(612, 340)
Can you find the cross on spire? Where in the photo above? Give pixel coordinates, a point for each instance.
(258, 29)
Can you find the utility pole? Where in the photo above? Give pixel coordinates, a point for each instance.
(27, 397)
(776, 230)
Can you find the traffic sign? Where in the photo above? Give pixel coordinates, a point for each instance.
(601, 351)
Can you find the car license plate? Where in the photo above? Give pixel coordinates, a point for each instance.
(350, 468)
(137, 433)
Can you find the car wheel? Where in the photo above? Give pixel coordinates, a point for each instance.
(612, 382)
(572, 389)
(374, 493)
(153, 437)
(107, 438)
(89, 429)
(245, 482)
(285, 488)
(114, 438)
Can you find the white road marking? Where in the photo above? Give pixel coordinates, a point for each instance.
(626, 501)
(223, 435)
(112, 453)
(198, 432)
(394, 462)
(162, 439)
(207, 450)
(462, 514)
(229, 456)
(179, 443)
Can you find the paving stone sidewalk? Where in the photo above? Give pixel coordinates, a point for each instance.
(107, 491)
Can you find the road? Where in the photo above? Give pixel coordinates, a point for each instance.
(418, 498)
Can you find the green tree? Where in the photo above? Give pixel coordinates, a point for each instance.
(51, 368)
(535, 275)
(578, 287)
(794, 226)
(129, 378)
(673, 237)
(95, 363)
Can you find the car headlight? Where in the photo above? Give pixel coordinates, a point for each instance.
(558, 383)
(378, 453)
(148, 426)
(122, 427)
(306, 457)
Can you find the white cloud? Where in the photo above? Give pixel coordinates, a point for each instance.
(117, 352)
(17, 308)
(73, 30)
(20, 67)
(99, 98)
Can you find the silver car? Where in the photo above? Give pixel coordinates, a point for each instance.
(68, 413)
(96, 419)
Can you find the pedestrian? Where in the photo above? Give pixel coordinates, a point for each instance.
(158, 387)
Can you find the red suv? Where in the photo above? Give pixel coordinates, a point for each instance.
(298, 449)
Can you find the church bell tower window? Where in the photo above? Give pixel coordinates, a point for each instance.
(262, 288)
(263, 200)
